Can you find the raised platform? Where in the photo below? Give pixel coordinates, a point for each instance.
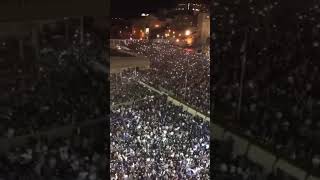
(121, 60)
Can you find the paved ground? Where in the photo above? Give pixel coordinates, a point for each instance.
(119, 63)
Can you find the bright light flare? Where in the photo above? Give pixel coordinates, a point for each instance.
(188, 32)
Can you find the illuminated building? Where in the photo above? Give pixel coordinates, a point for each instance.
(189, 6)
(203, 28)
(192, 6)
(184, 21)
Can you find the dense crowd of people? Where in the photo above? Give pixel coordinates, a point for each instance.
(125, 89)
(275, 48)
(153, 138)
(184, 73)
(264, 56)
(261, 58)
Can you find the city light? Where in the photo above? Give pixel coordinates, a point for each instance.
(147, 30)
(158, 35)
(157, 25)
(188, 32)
(189, 41)
(177, 40)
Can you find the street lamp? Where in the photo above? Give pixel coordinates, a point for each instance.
(188, 32)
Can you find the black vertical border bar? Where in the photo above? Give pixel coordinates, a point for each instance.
(211, 85)
(107, 140)
(107, 136)
(22, 10)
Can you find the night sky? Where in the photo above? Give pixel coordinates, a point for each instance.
(131, 8)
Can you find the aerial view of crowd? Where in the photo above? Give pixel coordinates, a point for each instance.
(151, 137)
(126, 83)
(270, 51)
(184, 73)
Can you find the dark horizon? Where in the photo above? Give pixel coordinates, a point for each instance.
(125, 9)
